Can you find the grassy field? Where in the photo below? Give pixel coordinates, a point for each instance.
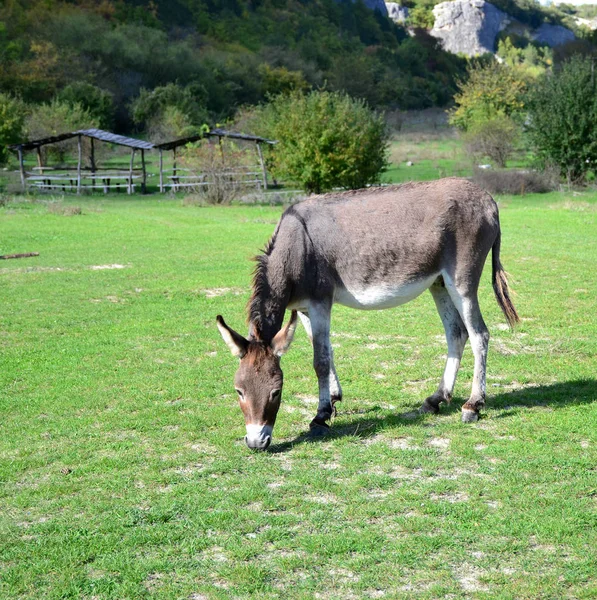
(123, 471)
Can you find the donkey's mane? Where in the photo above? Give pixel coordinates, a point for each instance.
(260, 284)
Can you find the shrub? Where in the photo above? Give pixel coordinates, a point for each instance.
(326, 140)
(495, 139)
(515, 182)
(562, 116)
(12, 120)
(224, 169)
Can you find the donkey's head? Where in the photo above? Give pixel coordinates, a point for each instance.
(258, 380)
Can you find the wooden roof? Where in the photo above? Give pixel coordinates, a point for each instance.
(212, 133)
(98, 134)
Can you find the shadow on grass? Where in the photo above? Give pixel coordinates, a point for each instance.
(366, 424)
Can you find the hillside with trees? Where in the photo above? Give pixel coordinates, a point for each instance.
(205, 59)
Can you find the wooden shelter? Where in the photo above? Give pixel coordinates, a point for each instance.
(177, 178)
(50, 178)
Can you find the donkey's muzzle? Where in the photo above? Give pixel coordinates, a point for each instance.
(259, 437)
(258, 443)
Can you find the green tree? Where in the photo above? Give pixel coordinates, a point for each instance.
(491, 90)
(562, 111)
(12, 120)
(170, 110)
(54, 118)
(97, 102)
(326, 140)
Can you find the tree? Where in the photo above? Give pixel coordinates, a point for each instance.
(326, 140)
(170, 110)
(491, 90)
(99, 103)
(562, 110)
(12, 120)
(54, 118)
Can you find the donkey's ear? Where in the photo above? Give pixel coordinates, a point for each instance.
(237, 343)
(283, 338)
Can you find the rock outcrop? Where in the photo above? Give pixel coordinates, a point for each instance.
(397, 12)
(468, 26)
(553, 35)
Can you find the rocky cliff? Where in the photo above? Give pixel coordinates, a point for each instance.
(470, 27)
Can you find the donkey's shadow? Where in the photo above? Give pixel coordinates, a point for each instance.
(366, 424)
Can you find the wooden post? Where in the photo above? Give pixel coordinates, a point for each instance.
(262, 163)
(40, 165)
(144, 180)
(92, 162)
(130, 186)
(22, 168)
(79, 165)
(174, 168)
(221, 146)
(161, 172)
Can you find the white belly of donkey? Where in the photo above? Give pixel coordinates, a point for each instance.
(381, 296)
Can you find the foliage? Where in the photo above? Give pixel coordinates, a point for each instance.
(326, 139)
(421, 17)
(171, 106)
(12, 120)
(54, 118)
(240, 51)
(529, 58)
(97, 102)
(495, 138)
(491, 90)
(562, 111)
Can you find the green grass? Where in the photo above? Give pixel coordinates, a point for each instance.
(122, 466)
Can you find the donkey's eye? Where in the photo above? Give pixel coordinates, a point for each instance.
(240, 394)
(275, 395)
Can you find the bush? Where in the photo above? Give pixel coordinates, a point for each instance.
(495, 139)
(12, 120)
(326, 140)
(562, 115)
(515, 182)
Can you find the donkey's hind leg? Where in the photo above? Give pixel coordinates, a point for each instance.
(334, 382)
(467, 303)
(456, 336)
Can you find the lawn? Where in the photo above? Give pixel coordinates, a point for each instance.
(122, 464)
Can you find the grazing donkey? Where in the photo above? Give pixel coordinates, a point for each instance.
(369, 249)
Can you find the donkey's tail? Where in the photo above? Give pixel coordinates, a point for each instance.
(500, 285)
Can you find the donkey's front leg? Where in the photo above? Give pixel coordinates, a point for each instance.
(319, 315)
(335, 388)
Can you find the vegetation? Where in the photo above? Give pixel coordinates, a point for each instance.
(12, 120)
(491, 91)
(562, 110)
(127, 51)
(495, 138)
(124, 472)
(325, 140)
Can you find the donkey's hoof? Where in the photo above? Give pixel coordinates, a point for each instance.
(427, 407)
(319, 427)
(469, 416)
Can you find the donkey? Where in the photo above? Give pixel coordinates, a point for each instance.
(368, 249)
